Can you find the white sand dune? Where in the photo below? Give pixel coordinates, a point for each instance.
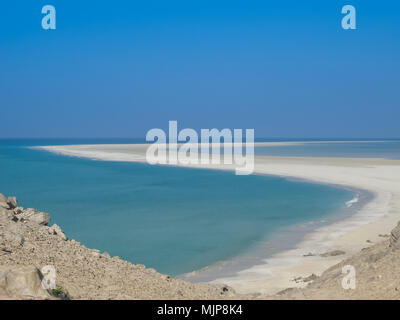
(379, 216)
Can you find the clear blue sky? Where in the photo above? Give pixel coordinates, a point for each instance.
(119, 68)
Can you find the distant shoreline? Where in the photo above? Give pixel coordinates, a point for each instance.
(378, 176)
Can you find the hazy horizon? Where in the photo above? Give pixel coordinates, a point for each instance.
(256, 139)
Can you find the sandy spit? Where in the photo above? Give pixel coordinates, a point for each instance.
(381, 177)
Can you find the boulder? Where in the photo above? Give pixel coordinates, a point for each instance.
(332, 253)
(6, 214)
(12, 202)
(310, 254)
(18, 282)
(4, 204)
(41, 218)
(35, 216)
(3, 198)
(394, 237)
(312, 277)
(18, 210)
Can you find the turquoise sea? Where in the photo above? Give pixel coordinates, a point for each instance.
(175, 220)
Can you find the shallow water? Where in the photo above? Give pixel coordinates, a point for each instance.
(175, 220)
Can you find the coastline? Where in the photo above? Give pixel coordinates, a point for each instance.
(350, 235)
(287, 239)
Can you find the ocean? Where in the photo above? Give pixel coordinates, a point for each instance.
(388, 149)
(176, 220)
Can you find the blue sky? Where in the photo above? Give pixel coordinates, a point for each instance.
(119, 68)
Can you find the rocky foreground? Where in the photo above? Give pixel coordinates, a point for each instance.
(27, 244)
(377, 275)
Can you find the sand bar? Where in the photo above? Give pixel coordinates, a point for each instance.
(377, 217)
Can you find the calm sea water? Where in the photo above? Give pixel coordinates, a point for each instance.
(175, 220)
(359, 149)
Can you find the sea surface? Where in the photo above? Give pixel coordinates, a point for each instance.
(175, 220)
(388, 149)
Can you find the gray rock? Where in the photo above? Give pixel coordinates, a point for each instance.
(4, 204)
(312, 277)
(3, 198)
(12, 202)
(310, 254)
(41, 218)
(394, 237)
(332, 253)
(18, 282)
(38, 217)
(18, 210)
(6, 214)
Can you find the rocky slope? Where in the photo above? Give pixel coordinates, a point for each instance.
(27, 244)
(377, 275)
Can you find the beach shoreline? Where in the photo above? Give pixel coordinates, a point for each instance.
(375, 218)
(287, 239)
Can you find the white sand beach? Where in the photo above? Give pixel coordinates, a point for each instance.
(377, 217)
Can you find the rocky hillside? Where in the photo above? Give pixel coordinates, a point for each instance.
(377, 275)
(27, 244)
